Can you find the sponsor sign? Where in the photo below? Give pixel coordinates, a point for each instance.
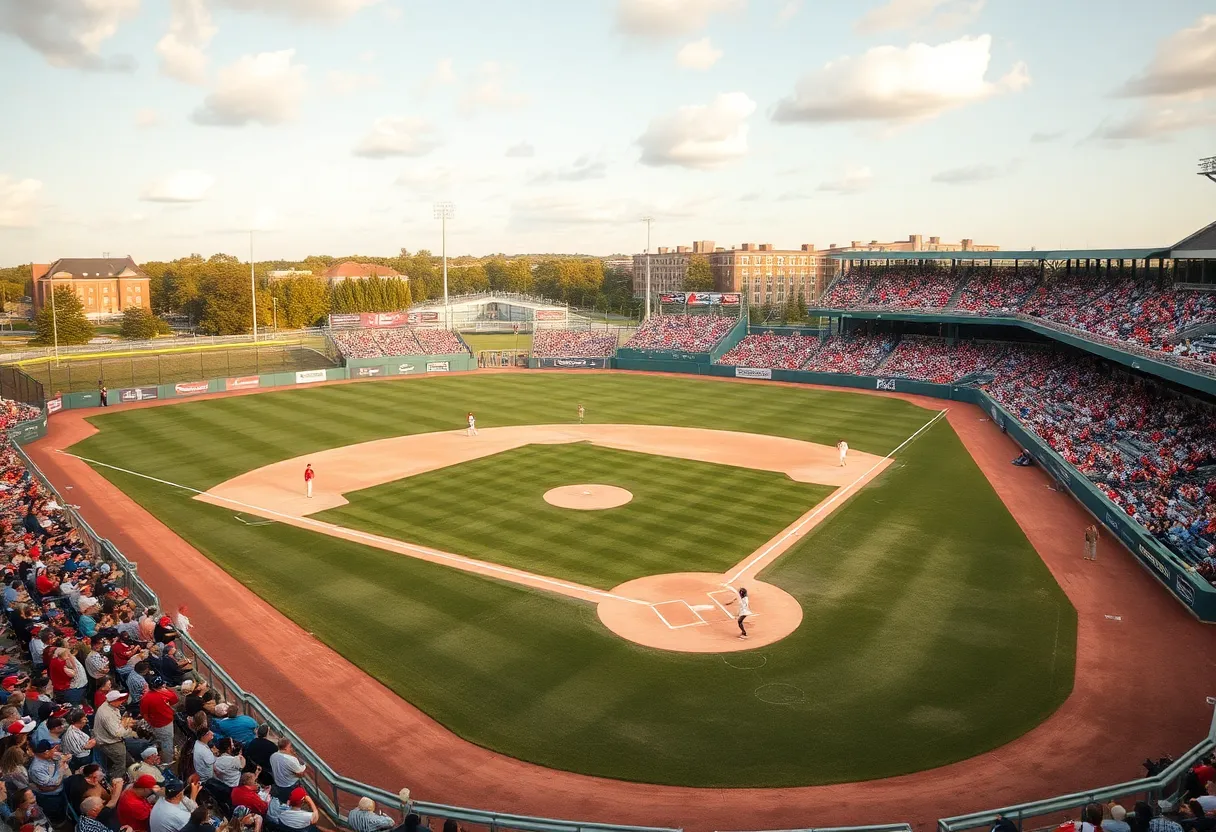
(1152, 560)
(242, 383)
(343, 321)
(365, 372)
(886, 384)
(437, 366)
(54, 405)
(550, 314)
(731, 299)
(191, 388)
(713, 299)
(138, 394)
(429, 317)
(1184, 590)
(383, 319)
(309, 376)
(753, 372)
(672, 297)
(406, 369)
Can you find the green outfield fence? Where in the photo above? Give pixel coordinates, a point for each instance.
(336, 794)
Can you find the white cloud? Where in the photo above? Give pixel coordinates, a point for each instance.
(699, 54)
(18, 201)
(853, 181)
(488, 91)
(181, 50)
(442, 75)
(305, 9)
(583, 169)
(1152, 125)
(968, 174)
(546, 211)
(699, 136)
(665, 18)
(887, 83)
(368, 56)
(1046, 137)
(521, 150)
(789, 10)
(391, 137)
(147, 117)
(344, 82)
(1185, 64)
(919, 14)
(179, 186)
(265, 88)
(69, 33)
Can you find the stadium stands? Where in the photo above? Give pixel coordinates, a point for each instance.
(682, 333)
(996, 291)
(566, 343)
(778, 352)
(912, 287)
(373, 343)
(859, 355)
(931, 359)
(439, 342)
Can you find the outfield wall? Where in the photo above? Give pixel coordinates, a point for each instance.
(1195, 594)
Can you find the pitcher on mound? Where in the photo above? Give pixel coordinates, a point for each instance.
(472, 431)
(308, 477)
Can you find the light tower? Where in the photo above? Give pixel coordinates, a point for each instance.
(1207, 167)
(443, 213)
(648, 221)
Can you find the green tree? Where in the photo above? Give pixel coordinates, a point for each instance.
(139, 324)
(700, 277)
(63, 321)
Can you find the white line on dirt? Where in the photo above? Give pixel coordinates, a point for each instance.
(518, 575)
(836, 495)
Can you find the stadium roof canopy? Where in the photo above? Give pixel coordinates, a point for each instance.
(1060, 254)
(1199, 246)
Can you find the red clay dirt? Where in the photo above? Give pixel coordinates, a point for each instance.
(1140, 687)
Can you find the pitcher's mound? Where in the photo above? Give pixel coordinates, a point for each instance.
(587, 497)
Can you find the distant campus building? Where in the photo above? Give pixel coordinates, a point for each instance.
(350, 270)
(766, 275)
(105, 285)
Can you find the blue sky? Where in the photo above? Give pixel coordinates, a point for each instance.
(163, 127)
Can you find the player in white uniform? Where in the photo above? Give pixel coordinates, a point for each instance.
(472, 431)
(745, 609)
(843, 448)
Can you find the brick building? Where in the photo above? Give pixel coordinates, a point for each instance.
(771, 276)
(350, 270)
(105, 285)
(915, 242)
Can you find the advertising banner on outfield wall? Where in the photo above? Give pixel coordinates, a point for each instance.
(575, 363)
(367, 372)
(54, 405)
(406, 369)
(429, 317)
(346, 321)
(242, 383)
(309, 376)
(138, 394)
(753, 372)
(550, 314)
(191, 388)
(885, 384)
(437, 366)
(713, 299)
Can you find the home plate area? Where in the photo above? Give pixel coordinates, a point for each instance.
(695, 612)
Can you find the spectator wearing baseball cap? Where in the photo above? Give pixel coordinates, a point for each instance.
(149, 764)
(134, 807)
(172, 811)
(164, 632)
(46, 779)
(111, 729)
(301, 812)
(9, 684)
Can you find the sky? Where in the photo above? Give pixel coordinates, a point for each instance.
(158, 128)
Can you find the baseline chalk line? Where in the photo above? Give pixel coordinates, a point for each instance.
(519, 575)
(836, 495)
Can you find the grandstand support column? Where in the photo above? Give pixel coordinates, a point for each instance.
(648, 221)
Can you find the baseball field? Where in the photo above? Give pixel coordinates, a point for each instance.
(924, 628)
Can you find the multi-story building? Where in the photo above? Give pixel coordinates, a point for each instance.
(668, 267)
(350, 270)
(770, 277)
(915, 242)
(105, 285)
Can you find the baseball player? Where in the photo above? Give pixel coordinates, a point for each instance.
(745, 609)
(308, 476)
(843, 448)
(472, 431)
(581, 413)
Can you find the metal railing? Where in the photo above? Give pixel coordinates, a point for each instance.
(166, 343)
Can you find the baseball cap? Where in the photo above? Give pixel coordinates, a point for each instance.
(150, 751)
(239, 812)
(164, 621)
(61, 711)
(1117, 812)
(188, 685)
(145, 781)
(115, 695)
(10, 682)
(297, 795)
(21, 726)
(171, 789)
(43, 745)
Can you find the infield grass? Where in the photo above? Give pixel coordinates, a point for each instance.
(685, 516)
(932, 631)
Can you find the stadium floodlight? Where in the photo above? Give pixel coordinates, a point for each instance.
(253, 289)
(1207, 167)
(443, 213)
(648, 220)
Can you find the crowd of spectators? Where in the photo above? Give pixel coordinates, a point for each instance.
(1136, 309)
(858, 355)
(569, 343)
(105, 724)
(374, 343)
(936, 361)
(682, 333)
(778, 352)
(12, 412)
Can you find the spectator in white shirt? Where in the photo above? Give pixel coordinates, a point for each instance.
(301, 812)
(286, 769)
(172, 811)
(204, 756)
(229, 765)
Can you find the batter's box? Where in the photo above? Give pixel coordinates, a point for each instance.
(677, 614)
(723, 599)
(713, 612)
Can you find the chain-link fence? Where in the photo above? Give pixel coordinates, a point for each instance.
(18, 386)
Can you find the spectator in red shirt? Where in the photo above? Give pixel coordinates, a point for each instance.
(246, 794)
(61, 669)
(156, 707)
(133, 806)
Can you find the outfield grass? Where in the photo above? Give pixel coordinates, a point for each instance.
(932, 630)
(493, 509)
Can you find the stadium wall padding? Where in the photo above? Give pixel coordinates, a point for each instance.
(1196, 595)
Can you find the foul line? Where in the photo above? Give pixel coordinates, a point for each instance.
(819, 508)
(435, 553)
